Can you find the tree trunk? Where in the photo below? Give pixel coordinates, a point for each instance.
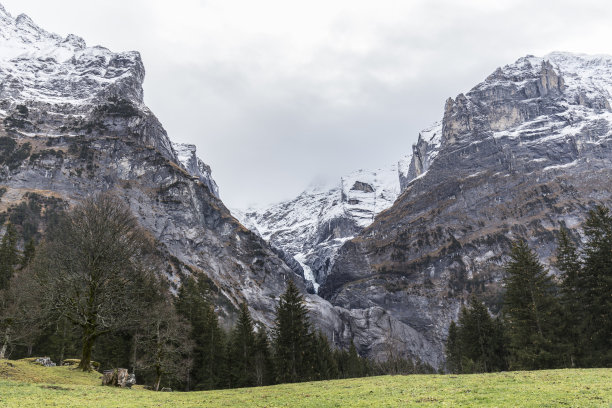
(537, 316)
(135, 339)
(88, 342)
(7, 338)
(63, 344)
(158, 357)
(157, 380)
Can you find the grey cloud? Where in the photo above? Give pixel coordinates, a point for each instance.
(269, 125)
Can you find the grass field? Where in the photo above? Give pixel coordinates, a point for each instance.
(27, 385)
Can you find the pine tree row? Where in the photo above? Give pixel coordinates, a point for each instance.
(248, 356)
(545, 322)
(91, 290)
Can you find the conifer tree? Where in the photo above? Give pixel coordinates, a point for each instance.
(263, 364)
(480, 339)
(8, 255)
(595, 285)
(529, 307)
(354, 365)
(242, 350)
(572, 310)
(453, 349)
(476, 343)
(292, 337)
(324, 366)
(209, 365)
(28, 253)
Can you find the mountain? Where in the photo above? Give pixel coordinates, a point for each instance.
(73, 122)
(314, 225)
(396, 252)
(523, 153)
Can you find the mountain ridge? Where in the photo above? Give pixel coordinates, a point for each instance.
(522, 154)
(76, 116)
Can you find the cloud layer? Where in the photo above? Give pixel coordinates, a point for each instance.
(276, 94)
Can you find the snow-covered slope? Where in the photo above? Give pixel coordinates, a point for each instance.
(40, 66)
(315, 224)
(55, 86)
(585, 82)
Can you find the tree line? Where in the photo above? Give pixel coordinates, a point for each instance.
(545, 321)
(93, 289)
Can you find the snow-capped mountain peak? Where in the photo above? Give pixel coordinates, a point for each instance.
(57, 86)
(37, 65)
(317, 222)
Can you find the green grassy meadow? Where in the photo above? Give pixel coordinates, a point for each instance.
(23, 384)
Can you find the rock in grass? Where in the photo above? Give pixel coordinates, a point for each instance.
(44, 361)
(118, 377)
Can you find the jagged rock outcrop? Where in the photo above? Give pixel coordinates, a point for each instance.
(424, 151)
(186, 155)
(524, 152)
(73, 122)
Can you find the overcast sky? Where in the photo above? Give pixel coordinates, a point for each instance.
(278, 94)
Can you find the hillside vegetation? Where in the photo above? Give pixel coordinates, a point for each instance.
(23, 384)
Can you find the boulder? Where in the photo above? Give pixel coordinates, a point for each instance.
(44, 361)
(118, 377)
(131, 380)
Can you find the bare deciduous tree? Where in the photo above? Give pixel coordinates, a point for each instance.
(90, 270)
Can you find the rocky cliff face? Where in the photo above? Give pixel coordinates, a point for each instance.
(523, 153)
(73, 122)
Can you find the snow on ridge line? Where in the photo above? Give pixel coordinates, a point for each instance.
(36, 65)
(188, 159)
(582, 73)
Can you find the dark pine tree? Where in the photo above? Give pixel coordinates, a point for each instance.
(8, 255)
(29, 251)
(453, 349)
(242, 350)
(263, 364)
(571, 338)
(529, 310)
(209, 365)
(480, 339)
(595, 285)
(476, 343)
(325, 366)
(354, 364)
(292, 338)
